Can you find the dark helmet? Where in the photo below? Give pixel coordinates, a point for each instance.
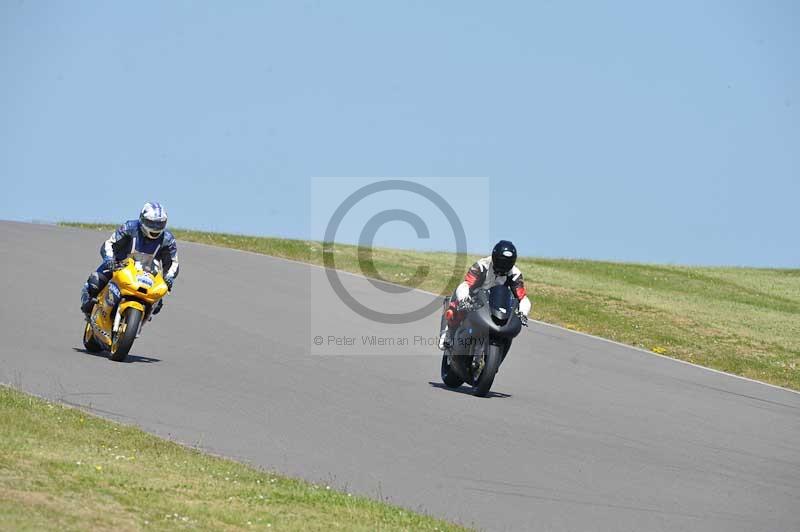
(504, 255)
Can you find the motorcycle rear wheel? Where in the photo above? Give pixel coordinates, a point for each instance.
(449, 377)
(126, 334)
(89, 343)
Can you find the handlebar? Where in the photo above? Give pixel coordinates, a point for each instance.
(117, 265)
(471, 304)
(468, 304)
(113, 264)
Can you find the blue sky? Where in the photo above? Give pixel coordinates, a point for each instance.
(664, 132)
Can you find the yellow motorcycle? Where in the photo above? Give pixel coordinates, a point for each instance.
(124, 305)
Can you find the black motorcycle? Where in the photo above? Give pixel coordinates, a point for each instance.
(482, 340)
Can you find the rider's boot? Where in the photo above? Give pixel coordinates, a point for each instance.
(91, 288)
(446, 338)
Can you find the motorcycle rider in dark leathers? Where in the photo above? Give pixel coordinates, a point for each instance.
(496, 269)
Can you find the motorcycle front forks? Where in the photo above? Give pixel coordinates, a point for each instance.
(477, 355)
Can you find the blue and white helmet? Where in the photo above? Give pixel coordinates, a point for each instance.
(153, 219)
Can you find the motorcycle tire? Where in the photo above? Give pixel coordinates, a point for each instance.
(89, 342)
(126, 334)
(493, 357)
(449, 377)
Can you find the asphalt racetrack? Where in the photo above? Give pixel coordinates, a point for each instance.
(580, 434)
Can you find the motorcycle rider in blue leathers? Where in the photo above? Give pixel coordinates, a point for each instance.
(147, 235)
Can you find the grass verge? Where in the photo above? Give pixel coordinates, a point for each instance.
(740, 320)
(61, 469)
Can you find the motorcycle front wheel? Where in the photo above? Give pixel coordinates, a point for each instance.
(492, 359)
(126, 334)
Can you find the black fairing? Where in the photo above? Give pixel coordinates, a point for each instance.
(486, 326)
(496, 317)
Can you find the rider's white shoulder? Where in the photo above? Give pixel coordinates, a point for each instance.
(485, 263)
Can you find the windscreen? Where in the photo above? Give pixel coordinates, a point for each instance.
(501, 301)
(146, 261)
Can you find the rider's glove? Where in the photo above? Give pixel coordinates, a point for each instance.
(524, 319)
(169, 280)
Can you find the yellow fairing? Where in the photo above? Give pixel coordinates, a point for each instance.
(133, 282)
(102, 318)
(136, 289)
(130, 304)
